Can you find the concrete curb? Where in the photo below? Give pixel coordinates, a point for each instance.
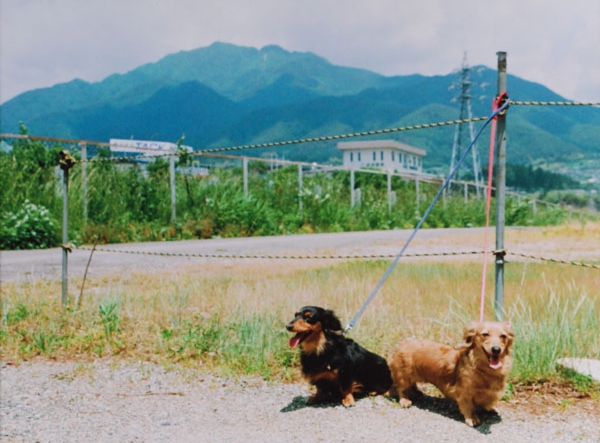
(585, 366)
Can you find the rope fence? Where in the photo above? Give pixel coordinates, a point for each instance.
(328, 256)
(279, 257)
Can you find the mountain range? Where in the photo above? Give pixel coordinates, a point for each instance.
(226, 95)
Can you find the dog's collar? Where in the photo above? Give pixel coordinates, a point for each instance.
(336, 332)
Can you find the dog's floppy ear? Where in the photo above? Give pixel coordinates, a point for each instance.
(468, 337)
(330, 321)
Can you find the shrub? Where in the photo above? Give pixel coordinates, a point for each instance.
(31, 227)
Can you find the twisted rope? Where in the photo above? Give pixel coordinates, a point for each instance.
(261, 145)
(330, 257)
(555, 260)
(344, 136)
(278, 257)
(552, 103)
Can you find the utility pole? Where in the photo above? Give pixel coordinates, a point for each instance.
(466, 113)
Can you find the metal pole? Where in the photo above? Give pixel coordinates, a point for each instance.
(389, 191)
(245, 168)
(417, 196)
(300, 188)
(500, 193)
(83, 147)
(172, 184)
(352, 202)
(444, 198)
(66, 162)
(65, 238)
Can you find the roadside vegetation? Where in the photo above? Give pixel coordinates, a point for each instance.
(127, 202)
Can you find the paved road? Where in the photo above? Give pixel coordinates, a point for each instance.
(47, 263)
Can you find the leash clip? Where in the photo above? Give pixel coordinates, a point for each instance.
(347, 328)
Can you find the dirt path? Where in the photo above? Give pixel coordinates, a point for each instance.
(577, 243)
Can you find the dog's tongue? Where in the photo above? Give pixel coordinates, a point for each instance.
(295, 340)
(495, 363)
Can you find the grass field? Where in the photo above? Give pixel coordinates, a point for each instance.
(230, 317)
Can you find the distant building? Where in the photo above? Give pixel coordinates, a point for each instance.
(382, 154)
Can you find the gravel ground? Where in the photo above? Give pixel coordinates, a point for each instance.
(107, 401)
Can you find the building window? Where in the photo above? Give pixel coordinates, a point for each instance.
(381, 155)
(393, 156)
(359, 156)
(351, 157)
(374, 156)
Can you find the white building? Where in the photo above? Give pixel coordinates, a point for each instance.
(382, 154)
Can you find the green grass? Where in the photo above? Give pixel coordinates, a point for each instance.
(551, 327)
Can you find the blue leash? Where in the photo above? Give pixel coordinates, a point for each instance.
(492, 116)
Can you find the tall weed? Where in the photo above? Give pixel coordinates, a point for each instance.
(554, 326)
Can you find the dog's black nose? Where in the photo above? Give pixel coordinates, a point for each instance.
(289, 326)
(496, 350)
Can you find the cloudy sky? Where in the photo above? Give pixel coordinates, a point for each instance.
(553, 42)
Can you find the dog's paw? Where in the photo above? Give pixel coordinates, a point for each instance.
(405, 402)
(472, 421)
(348, 401)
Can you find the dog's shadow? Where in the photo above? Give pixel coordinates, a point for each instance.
(449, 409)
(437, 405)
(297, 403)
(301, 402)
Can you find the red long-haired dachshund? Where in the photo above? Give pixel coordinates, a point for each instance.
(337, 366)
(473, 373)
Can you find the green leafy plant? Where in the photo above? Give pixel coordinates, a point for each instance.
(31, 227)
(14, 315)
(109, 317)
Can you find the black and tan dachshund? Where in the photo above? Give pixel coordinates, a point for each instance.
(336, 365)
